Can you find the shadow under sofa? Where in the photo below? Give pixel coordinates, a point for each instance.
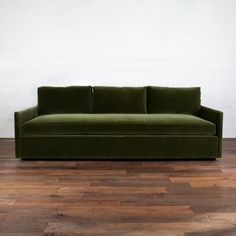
(84, 122)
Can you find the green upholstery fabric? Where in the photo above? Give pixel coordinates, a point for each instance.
(64, 125)
(173, 100)
(20, 117)
(215, 117)
(71, 124)
(74, 99)
(119, 100)
(120, 147)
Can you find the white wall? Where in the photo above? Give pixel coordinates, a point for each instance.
(117, 42)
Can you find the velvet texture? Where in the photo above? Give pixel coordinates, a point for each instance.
(215, 117)
(119, 100)
(120, 147)
(20, 118)
(189, 132)
(72, 124)
(174, 100)
(56, 100)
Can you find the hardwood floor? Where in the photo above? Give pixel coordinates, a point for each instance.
(136, 198)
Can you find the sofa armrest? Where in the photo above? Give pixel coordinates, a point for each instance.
(215, 117)
(20, 118)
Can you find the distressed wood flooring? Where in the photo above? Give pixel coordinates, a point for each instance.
(117, 198)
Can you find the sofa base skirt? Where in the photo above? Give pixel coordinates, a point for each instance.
(118, 147)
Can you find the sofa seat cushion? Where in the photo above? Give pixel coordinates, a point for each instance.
(73, 124)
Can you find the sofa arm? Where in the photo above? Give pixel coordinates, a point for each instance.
(215, 117)
(20, 118)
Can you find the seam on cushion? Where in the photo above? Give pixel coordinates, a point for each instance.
(121, 133)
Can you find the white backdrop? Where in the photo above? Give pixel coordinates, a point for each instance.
(117, 42)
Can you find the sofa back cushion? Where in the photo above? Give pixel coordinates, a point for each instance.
(119, 100)
(73, 99)
(174, 100)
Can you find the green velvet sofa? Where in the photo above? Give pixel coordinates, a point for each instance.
(84, 122)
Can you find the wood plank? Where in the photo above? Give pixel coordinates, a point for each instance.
(117, 198)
